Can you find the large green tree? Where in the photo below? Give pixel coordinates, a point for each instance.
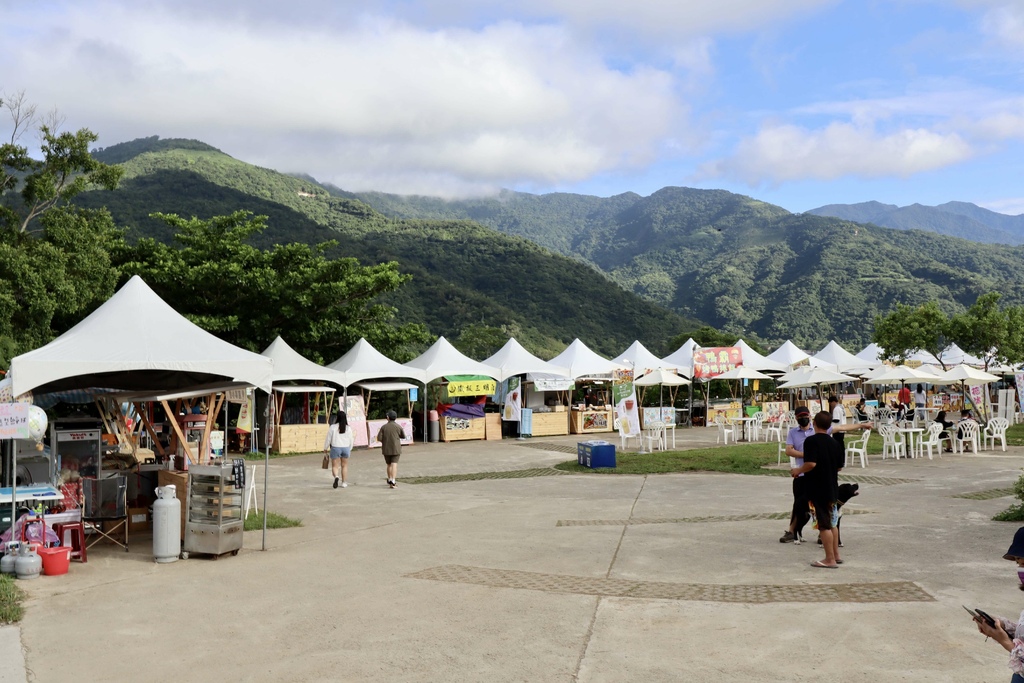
(905, 330)
(248, 296)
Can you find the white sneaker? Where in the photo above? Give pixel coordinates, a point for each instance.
(344, 484)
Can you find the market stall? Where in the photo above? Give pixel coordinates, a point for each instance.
(367, 390)
(549, 399)
(589, 370)
(461, 409)
(545, 392)
(301, 426)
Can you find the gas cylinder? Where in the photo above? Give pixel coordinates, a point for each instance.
(166, 525)
(10, 555)
(28, 564)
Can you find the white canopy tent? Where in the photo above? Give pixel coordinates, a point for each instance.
(161, 351)
(363, 362)
(871, 353)
(290, 366)
(903, 373)
(788, 354)
(835, 356)
(812, 377)
(643, 361)
(954, 355)
(443, 359)
(512, 359)
(755, 361)
(682, 357)
(579, 361)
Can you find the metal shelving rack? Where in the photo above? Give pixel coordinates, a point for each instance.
(214, 525)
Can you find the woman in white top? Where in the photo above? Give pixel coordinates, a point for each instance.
(339, 445)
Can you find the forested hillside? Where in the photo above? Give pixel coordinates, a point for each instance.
(744, 265)
(465, 274)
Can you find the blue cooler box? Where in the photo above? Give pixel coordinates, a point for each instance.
(595, 454)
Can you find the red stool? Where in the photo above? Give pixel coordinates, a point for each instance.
(77, 531)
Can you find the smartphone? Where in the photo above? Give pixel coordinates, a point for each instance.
(977, 614)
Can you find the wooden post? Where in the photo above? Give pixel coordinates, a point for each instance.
(173, 416)
(144, 418)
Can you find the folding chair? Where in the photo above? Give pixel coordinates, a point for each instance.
(106, 502)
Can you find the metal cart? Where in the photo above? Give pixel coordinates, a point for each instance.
(214, 525)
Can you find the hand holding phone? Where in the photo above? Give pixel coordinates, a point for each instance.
(979, 616)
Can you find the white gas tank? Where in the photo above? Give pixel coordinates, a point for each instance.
(166, 525)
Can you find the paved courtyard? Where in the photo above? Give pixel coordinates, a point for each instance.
(553, 577)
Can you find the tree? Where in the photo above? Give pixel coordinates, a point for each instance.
(906, 330)
(708, 336)
(31, 187)
(248, 296)
(983, 330)
(480, 341)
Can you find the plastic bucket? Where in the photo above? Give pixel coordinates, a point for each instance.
(55, 560)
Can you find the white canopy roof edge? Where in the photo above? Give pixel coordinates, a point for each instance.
(512, 359)
(682, 357)
(443, 359)
(788, 354)
(162, 350)
(643, 361)
(363, 361)
(755, 361)
(872, 352)
(834, 355)
(580, 361)
(290, 365)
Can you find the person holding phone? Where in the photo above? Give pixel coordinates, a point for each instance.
(1007, 633)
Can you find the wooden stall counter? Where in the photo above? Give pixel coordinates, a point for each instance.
(300, 438)
(462, 428)
(550, 424)
(590, 421)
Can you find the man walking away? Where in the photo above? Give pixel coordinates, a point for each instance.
(390, 437)
(823, 458)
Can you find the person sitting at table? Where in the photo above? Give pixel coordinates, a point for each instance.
(860, 411)
(944, 434)
(965, 416)
(900, 411)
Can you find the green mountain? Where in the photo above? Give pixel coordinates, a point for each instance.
(743, 265)
(957, 219)
(464, 273)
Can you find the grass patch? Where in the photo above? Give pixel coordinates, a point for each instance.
(260, 457)
(1014, 513)
(10, 600)
(739, 459)
(254, 521)
(1015, 435)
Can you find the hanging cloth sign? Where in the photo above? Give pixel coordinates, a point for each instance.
(512, 412)
(468, 385)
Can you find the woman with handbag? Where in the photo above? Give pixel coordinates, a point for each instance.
(338, 446)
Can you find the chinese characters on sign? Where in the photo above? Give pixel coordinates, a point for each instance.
(708, 363)
(14, 421)
(473, 387)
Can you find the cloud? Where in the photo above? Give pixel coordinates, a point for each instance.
(780, 153)
(1001, 20)
(379, 104)
(1013, 206)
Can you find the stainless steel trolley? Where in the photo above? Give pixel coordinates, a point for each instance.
(214, 525)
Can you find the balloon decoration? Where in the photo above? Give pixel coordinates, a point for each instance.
(7, 395)
(36, 423)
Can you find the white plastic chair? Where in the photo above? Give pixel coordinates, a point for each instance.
(933, 441)
(755, 426)
(774, 429)
(725, 431)
(654, 435)
(892, 443)
(996, 429)
(966, 432)
(859, 448)
(782, 451)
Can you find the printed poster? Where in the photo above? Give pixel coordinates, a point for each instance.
(656, 414)
(373, 427)
(244, 423)
(472, 387)
(513, 409)
(774, 410)
(14, 421)
(711, 362)
(355, 410)
(624, 398)
(727, 409)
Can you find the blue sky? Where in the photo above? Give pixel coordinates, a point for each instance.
(797, 102)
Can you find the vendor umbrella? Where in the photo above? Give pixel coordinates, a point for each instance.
(813, 377)
(968, 376)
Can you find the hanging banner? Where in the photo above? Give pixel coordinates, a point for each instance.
(14, 421)
(244, 423)
(624, 398)
(513, 410)
(711, 362)
(1019, 379)
(271, 418)
(975, 394)
(472, 387)
(355, 411)
(555, 384)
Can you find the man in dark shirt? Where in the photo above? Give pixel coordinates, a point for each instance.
(823, 458)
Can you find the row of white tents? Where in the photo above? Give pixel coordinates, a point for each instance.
(137, 342)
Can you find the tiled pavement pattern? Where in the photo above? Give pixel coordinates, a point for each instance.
(988, 494)
(544, 446)
(688, 520)
(475, 476)
(896, 591)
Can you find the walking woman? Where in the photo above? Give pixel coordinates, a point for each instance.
(1009, 634)
(339, 444)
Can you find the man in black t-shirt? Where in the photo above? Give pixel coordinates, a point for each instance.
(823, 458)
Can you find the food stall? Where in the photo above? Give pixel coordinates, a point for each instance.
(405, 421)
(549, 399)
(464, 419)
(301, 426)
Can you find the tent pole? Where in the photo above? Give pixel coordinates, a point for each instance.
(14, 486)
(266, 466)
(426, 436)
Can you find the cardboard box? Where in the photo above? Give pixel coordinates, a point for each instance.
(138, 520)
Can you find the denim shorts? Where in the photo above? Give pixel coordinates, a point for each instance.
(340, 452)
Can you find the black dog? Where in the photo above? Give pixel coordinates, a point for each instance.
(846, 492)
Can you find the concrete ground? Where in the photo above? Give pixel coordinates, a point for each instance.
(553, 578)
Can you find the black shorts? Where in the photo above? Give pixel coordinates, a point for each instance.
(823, 513)
(392, 459)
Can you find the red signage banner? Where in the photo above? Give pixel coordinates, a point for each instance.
(711, 362)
